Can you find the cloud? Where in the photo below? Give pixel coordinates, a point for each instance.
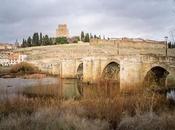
(115, 18)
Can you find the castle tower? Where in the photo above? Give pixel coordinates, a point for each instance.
(62, 31)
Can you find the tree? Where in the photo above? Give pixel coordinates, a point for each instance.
(91, 36)
(95, 36)
(87, 39)
(41, 39)
(82, 36)
(24, 43)
(29, 42)
(51, 41)
(46, 40)
(61, 40)
(35, 39)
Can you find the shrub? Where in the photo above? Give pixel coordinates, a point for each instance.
(24, 68)
(51, 119)
(148, 121)
(61, 40)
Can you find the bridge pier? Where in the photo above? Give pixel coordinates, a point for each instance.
(129, 71)
(92, 70)
(130, 76)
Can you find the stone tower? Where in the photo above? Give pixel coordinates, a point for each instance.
(62, 31)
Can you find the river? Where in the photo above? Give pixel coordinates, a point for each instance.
(67, 88)
(11, 87)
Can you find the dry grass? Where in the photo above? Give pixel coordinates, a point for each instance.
(51, 118)
(24, 68)
(97, 110)
(39, 114)
(4, 70)
(42, 91)
(149, 121)
(114, 109)
(96, 114)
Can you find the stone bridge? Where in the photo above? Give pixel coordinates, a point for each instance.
(127, 63)
(129, 70)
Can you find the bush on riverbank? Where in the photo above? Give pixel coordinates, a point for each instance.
(149, 121)
(95, 114)
(4, 70)
(24, 68)
(87, 113)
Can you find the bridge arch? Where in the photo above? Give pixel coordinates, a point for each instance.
(156, 77)
(111, 72)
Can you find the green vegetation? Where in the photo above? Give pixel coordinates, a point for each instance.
(37, 40)
(82, 36)
(85, 37)
(61, 40)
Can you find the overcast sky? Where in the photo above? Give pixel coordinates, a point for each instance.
(151, 19)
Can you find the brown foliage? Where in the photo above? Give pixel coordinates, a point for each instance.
(24, 68)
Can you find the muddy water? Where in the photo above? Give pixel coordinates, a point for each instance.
(19, 82)
(68, 88)
(11, 87)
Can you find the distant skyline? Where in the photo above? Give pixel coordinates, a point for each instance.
(148, 19)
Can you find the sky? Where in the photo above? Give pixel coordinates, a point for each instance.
(148, 19)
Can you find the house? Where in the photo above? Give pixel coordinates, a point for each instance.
(8, 59)
(4, 61)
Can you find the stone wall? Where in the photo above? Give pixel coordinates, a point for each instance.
(129, 43)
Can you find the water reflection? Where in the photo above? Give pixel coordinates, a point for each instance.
(20, 82)
(11, 88)
(71, 88)
(66, 88)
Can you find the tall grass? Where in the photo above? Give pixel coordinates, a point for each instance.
(100, 108)
(24, 68)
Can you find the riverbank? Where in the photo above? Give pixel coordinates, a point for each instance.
(27, 76)
(97, 112)
(23, 70)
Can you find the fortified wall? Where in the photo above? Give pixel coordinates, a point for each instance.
(129, 43)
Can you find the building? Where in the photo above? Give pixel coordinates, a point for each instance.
(62, 31)
(15, 58)
(8, 59)
(6, 46)
(4, 61)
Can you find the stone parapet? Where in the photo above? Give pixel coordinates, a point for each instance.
(129, 43)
